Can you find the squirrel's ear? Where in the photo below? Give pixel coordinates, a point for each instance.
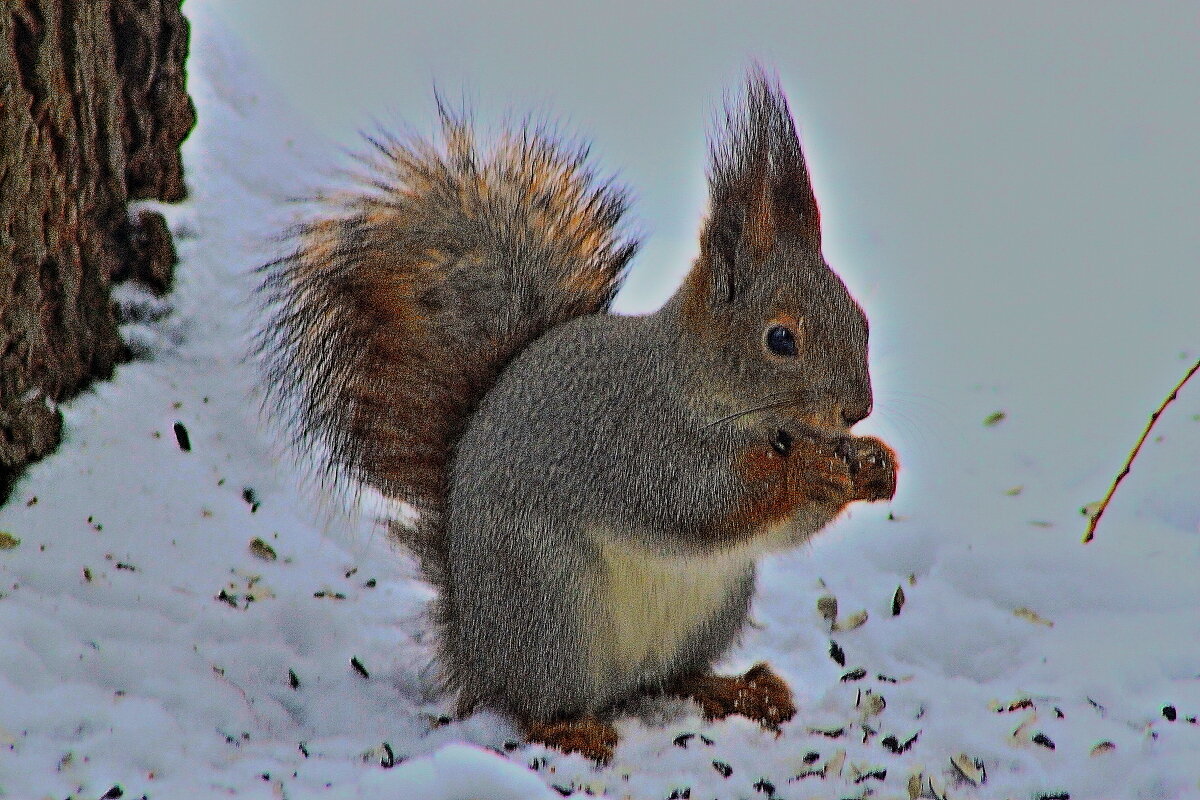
(758, 185)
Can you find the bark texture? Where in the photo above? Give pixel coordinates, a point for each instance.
(93, 107)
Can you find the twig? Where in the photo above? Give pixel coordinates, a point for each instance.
(1091, 529)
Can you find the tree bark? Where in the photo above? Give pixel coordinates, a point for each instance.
(93, 107)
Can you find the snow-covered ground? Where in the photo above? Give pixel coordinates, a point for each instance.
(194, 623)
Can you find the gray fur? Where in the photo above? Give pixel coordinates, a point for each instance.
(592, 430)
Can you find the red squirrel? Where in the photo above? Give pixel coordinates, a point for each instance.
(593, 489)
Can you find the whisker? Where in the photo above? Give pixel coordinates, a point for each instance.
(753, 409)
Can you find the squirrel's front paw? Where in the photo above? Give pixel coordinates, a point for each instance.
(873, 468)
(818, 467)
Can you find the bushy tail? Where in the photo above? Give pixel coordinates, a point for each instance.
(406, 296)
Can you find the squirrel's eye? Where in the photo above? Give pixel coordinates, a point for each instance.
(781, 341)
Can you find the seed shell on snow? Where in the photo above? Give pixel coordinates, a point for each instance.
(970, 769)
(937, 789)
(893, 745)
(835, 763)
(1021, 733)
(1103, 747)
(870, 704)
(1032, 616)
(855, 620)
(916, 783)
(808, 773)
(389, 757)
(861, 773)
(1015, 705)
(261, 549)
(359, 668)
(897, 601)
(831, 733)
(181, 437)
(827, 607)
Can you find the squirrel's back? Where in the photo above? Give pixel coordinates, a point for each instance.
(405, 298)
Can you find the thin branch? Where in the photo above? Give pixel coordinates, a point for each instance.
(1091, 529)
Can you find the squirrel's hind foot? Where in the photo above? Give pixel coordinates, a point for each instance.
(588, 736)
(759, 695)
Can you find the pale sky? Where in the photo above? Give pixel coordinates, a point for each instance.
(957, 100)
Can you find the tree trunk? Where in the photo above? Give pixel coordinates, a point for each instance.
(93, 107)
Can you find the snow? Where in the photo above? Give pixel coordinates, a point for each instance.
(145, 644)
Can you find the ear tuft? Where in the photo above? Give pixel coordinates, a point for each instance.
(759, 187)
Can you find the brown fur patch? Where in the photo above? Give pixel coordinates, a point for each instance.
(759, 695)
(787, 320)
(589, 737)
(827, 419)
(778, 485)
(696, 294)
(768, 500)
(760, 228)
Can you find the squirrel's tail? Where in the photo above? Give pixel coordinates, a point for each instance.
(404, 299)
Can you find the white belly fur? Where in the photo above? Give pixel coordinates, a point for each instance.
(651, 603)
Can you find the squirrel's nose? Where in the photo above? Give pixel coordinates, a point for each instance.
(854, 414)
(856, 404)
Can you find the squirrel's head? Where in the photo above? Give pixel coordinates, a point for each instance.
(773, 325)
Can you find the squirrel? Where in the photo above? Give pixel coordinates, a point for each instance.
(592, 490)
